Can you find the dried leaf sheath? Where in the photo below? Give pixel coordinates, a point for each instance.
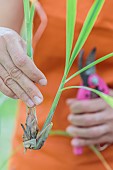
(31, 125)
(33, 138)
(31, 130)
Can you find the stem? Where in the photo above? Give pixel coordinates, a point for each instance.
(60, 133)
(86, 29)
(90, 65)
(100, 156)
(29, 15)
(55, 102)
(29, 43)
(30, 32)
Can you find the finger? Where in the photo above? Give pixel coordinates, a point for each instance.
(87, 120)
(14, 87)
(25, 83)
(5, 90)
(19, 92)
(87, 142)
(23, 62)
(83, 106)
(92, 132)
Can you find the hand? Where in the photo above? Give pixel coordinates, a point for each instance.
(18, 73)
(91, 122)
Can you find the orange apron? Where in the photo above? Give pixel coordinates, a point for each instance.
(50, 58)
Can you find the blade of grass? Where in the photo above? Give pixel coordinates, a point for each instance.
(29, 15)
(27, 21)
(32, 10)
(70, 25)
(26, 11)
(100, 156)
(107, 98)
(86, 29)
(30, 32)
(90, 65)
(60, 133)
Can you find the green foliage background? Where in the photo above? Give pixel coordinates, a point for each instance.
(8, 109)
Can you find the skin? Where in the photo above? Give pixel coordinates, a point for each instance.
(11, 12)
(18, 74)
(91, 122)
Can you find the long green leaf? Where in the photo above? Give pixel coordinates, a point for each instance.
(107, 98)
(26, 10)
(30, 31)
(26, 14)
(70, 25)
(101, 157)
(86, 29)
(32, 10)
(90, 65)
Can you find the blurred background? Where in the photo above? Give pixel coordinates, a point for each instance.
(8, 109)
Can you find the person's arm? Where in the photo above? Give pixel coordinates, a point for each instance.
(11, 14)
(18, 73)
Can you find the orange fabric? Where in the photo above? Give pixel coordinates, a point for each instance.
(50, 58)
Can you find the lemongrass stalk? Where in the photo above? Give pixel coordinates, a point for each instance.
(30, 33)
(86, 29)
(101, 157)
(27, 19)
(107, 98)
(29, 15)
(26, 11)
(55, 102)
(60, 133)
(70, 25)
(91, 18)
(32, 10)
(90, 65)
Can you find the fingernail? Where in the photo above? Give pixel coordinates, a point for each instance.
(43, 82)
(30, 103)
(75, 142)
(37, 100)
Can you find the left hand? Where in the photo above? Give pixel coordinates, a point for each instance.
(91, 122)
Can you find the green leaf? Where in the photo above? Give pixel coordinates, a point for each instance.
(30, 31)
(107, 98)
(90, 65)
(32, 11)
(29, 15)
(86, 29)
(101, 157)
(70, 25)
(60, 133)
(26, 10)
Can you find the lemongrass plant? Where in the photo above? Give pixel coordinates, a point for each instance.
(71, 54)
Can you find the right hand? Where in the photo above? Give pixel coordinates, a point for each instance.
(18, 73)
